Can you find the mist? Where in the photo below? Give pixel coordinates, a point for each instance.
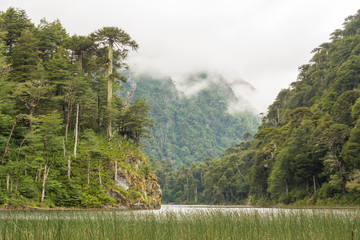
(261, 42)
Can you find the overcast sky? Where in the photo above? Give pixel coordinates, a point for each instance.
(261, 41)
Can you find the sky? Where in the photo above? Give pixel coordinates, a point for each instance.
(262, 42)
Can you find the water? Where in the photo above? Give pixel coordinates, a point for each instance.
(177, 209)
(191, 209)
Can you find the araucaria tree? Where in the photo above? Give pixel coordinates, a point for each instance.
(118, 43)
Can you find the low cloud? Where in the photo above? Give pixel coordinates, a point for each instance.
(262, 42)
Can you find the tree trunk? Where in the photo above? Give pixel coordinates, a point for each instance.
(109, 89)
(37, 179)
(314, 181)
(64, 148)
(100, 174)
(46, 172)
(68, 119)
(12, 182)
(232, 195)
(195, 194)
(69, 166)
(8, 182)
(76, 129)
(7, 144)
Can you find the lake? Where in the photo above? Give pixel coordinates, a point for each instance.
(191, 209)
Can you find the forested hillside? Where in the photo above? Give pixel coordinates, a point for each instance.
(65, 138)
(307, 149)
(188, 129)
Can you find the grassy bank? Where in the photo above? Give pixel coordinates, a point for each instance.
(170, 225)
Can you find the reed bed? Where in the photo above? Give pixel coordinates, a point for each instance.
(178, 225)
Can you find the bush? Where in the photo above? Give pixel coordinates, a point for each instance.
(144, 171)
(298, 194)
(90, 201)
(2, 197)
(285, 199)
(27, 187)
(353, 196)
(329, 190)
(134, 194)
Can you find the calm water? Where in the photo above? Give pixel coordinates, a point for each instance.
(245, 209)
(180, 209)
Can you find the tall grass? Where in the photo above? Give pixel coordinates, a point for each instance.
(171, 225)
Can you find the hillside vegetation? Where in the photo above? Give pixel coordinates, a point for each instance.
(307, 149)
(65, 138)
(188, 129)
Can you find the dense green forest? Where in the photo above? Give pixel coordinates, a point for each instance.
(188, 129)
(307, 149)
(66, 139)
(71, 131)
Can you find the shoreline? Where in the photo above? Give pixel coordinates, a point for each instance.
(29, 208)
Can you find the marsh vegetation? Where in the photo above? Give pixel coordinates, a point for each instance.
(171, 223)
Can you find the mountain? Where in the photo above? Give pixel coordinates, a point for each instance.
(191, 117)
(307, 149)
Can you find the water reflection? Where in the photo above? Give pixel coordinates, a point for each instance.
(245, 209)
(182, 210)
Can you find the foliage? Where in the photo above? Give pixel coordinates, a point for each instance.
(309, 135)
(54, 149)
(188, 129)
(306, 150)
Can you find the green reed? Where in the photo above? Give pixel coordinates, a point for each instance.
(183, 225)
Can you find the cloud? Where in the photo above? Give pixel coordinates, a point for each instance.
(260, 41)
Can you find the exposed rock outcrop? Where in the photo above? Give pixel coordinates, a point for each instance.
(136, 187)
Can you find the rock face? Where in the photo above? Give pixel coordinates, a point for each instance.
(135, 187)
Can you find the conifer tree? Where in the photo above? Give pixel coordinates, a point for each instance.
(14, 21)
(113, 37)
(25, 57)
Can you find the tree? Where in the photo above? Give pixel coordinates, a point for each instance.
(46, 139)
(59, 70)
(247, 136)
(114, 37)
(51, 36)
(25, 57)
(33, 92)
(334, 139)
(134, 122)
(351, 149)
(80, 46)
(14, 21)
(4, 65)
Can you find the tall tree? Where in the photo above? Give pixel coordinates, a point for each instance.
(113, 37)
(25, 57)
(51, 35)
(134, 122)
(14, 21)
(80, 46)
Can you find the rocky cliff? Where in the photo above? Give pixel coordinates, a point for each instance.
(135, 186)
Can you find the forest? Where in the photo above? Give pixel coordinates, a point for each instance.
(307, 149)
(66, 139)
(188, 129)
(73, 133)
